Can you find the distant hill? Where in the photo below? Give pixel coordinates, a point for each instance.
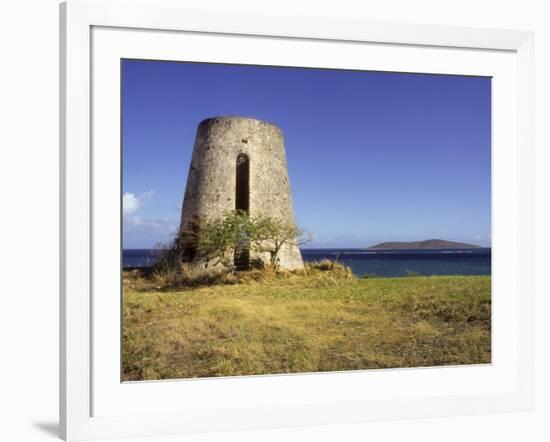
(428, 244)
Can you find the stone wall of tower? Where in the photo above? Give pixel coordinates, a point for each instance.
(211, 184)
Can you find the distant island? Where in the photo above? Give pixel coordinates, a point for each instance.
(427, 244)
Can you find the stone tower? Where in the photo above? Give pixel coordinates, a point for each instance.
(238, 164)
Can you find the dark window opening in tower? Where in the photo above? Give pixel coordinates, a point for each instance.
(242, 189)
(242, 203)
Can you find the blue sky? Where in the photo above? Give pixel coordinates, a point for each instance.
(372, 156)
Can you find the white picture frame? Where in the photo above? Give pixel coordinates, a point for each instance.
(82, 382)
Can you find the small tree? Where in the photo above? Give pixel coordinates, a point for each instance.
(271, 235)
(216, 240)
(236, 231)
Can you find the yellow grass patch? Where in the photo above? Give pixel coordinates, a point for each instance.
(314, 321)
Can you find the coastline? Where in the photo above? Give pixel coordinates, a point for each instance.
(380, 263)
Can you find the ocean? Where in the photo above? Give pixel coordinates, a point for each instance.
(387, 263)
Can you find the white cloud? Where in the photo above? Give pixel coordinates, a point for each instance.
(131, 203)
(135, 225)
(148, 232)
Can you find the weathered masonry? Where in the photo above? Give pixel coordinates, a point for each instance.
(238, 164)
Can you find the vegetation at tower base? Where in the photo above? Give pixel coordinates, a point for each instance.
(215, 245)
(321, 318)
(236, 231)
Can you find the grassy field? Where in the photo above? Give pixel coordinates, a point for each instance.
(320, 321)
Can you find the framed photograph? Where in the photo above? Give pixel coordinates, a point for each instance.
(273, 221)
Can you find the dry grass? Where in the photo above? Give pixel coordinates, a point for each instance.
(320, 319)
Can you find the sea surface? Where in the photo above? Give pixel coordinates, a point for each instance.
(374, 262)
